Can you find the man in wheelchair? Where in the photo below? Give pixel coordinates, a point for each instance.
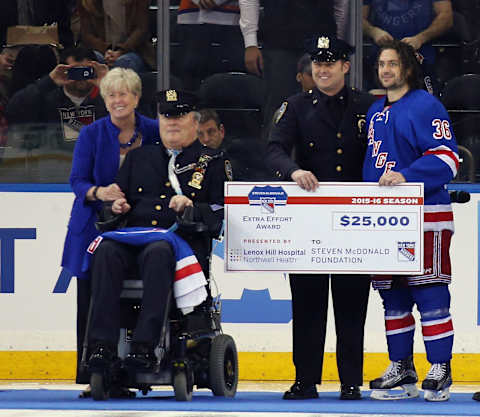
(159, 182)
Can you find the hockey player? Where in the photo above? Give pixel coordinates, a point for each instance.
(410, 140)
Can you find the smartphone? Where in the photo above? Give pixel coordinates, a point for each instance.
(81, 73)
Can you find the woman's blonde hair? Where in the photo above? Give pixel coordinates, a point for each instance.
(119, 78)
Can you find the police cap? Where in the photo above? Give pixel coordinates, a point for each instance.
(327, 48)
(176, 102)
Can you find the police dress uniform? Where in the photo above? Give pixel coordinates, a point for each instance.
(146, 180)
(328, 136)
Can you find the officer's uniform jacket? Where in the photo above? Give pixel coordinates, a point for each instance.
(331, 152)
(143, 178)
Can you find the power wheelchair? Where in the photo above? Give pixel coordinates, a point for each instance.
(191, 349)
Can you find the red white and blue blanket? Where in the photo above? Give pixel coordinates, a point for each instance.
(189, 282)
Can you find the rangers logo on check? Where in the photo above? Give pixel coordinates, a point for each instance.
(406, 251)
(268, 205)
(267, 197)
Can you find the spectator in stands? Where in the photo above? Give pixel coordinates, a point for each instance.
(99, 152)
(32, 63)
(211, 130)
(304, 73)
(37, 13)
(7, 60)
(66, 105)
(416, 23)
(203, 23)
(118, 32)
(286, 25)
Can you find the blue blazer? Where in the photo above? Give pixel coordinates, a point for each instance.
(95, 162)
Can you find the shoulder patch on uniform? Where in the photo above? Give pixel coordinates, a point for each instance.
(281, 111)
(228, 170)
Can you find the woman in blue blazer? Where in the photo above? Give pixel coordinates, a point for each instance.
(99, 152)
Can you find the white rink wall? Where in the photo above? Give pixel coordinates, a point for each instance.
(34, 318)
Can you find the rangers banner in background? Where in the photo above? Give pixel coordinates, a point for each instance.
(357, 228)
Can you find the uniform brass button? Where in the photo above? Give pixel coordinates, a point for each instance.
(339, 135)
(163, 196)
(341, 97)
(157, 143)
(339, 168)
(167, 184)
(311, 144)
(315, 101)
(339, 151)
(310, 91)
(154, 222)
(139, 189)
(177, 165)
(192, 194)
(158, 207)
(278, 174)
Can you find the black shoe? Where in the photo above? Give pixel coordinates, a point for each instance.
(301, 391)
(102, 357)
(476, 396)
(350, 392)
(141, 358)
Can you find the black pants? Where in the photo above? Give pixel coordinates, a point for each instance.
(310, 305)
(113, 262)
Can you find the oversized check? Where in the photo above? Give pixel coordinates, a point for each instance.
(359, 228)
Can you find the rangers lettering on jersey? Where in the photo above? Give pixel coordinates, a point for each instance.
(413, 137)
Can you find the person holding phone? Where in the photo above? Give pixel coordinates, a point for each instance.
(99, 152)
(63, 104)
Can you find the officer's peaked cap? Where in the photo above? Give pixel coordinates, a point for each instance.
(176, 102)
(328, 48)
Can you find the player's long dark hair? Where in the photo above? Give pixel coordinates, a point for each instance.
(408, 60)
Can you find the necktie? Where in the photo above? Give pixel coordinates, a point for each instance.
(172, 177)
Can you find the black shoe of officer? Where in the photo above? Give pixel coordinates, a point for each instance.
(476, 396)
(102, 357)
(141, 357)
(350, 392)
(301, 391)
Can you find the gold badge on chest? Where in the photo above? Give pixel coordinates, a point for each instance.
(197, 178)
(199, 173)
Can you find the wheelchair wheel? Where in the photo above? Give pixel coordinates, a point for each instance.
(182, 389)
(98, 386)
(223, 366)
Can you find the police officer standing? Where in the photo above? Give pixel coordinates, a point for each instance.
(326, 128)
(159, 182)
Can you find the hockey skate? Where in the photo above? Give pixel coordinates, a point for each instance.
(437, 382)
(400, 374)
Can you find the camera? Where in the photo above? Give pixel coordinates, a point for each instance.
(80, 73)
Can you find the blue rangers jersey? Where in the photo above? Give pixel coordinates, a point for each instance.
(413, 136)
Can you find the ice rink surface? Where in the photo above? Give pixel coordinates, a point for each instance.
(254, 399)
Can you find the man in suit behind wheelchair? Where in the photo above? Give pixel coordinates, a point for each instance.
(159, 182)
